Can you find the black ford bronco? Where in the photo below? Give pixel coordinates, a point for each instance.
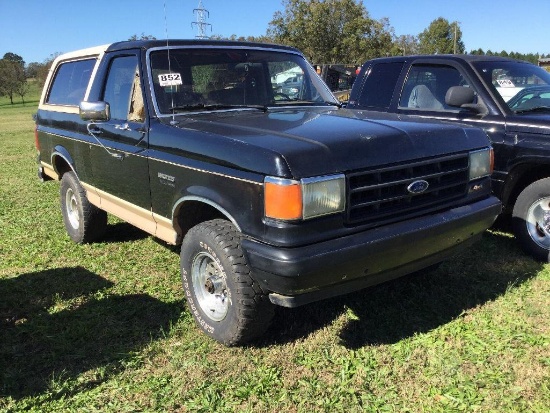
(275, 199)
(509, 99)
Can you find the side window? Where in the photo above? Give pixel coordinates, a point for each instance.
(123, 90)
(70, 82)
(378, 88)
(427, 85)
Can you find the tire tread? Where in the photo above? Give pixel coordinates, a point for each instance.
(530, 194)
(94, 220)
(254, 311)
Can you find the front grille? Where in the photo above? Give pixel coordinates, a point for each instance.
(381, 195)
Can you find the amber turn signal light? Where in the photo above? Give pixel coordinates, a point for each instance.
(283, 199)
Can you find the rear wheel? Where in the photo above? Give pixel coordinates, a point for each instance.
(83, 221)
(531, 219)
(225, 300)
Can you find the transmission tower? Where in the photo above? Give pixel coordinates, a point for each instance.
(200, 23)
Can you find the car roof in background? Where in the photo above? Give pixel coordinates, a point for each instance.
(463, 57)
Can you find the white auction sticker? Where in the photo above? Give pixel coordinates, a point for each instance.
(170, 79)
(505, 83)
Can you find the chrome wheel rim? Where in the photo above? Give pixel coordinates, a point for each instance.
(71, 205)
(210, 287)
(538, 222)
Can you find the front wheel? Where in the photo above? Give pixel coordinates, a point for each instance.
(531, 219)
(83, 221)
(225, 300)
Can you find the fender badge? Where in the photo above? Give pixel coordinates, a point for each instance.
(166, 177)
(417, 187)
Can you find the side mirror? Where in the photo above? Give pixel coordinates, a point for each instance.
(459, 95)
(463, 97)
(94, 111)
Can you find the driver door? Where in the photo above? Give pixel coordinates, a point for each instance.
(119, 164)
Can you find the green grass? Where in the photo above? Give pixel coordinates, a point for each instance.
(104, 327)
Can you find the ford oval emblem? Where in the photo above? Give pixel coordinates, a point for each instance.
(417, 187)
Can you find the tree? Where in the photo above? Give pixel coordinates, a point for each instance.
(39, 71)
(32, 69)
(12, 57)
(22, 87)
(478, 52)
(234, 37)
(441, 37)
(405, 45)
(331, 31)
(12, 76)
(143, 36)
(8, 78)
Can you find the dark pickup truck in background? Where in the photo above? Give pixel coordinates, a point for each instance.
(276, 198)
(509, 99)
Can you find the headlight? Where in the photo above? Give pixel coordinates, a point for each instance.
(481, 163)
(324, 195)
(307, 198)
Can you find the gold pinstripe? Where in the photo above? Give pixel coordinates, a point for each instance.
(166, 162)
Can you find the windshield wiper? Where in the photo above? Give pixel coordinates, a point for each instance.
(295, 101)
(535, 109)
(337, 104)
(216, 106)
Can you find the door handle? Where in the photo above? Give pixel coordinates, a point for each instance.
(124, 126)
(95, 131)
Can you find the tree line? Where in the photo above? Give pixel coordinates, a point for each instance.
(342, 31)
(326, 31)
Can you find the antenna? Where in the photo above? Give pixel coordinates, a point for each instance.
(201, 24)
(173, 121)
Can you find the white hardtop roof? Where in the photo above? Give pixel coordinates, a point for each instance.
(90, 51)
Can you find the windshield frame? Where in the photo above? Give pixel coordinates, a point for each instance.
(327, 98)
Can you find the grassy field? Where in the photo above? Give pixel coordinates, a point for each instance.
(104, 327)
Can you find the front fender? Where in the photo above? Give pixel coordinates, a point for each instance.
(180, 203)
(523, 171)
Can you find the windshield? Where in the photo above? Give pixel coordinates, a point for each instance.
(523, 86)
(195, 79)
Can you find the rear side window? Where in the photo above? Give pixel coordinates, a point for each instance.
(379, 85)
(70, 82)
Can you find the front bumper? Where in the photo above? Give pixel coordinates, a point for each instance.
(297, 276)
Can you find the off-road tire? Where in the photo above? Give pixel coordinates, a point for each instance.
(221, 293)
(531, 219)
(83, 221)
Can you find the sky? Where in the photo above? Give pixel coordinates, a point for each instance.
(36, 29)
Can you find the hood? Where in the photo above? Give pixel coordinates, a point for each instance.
(311, 142)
